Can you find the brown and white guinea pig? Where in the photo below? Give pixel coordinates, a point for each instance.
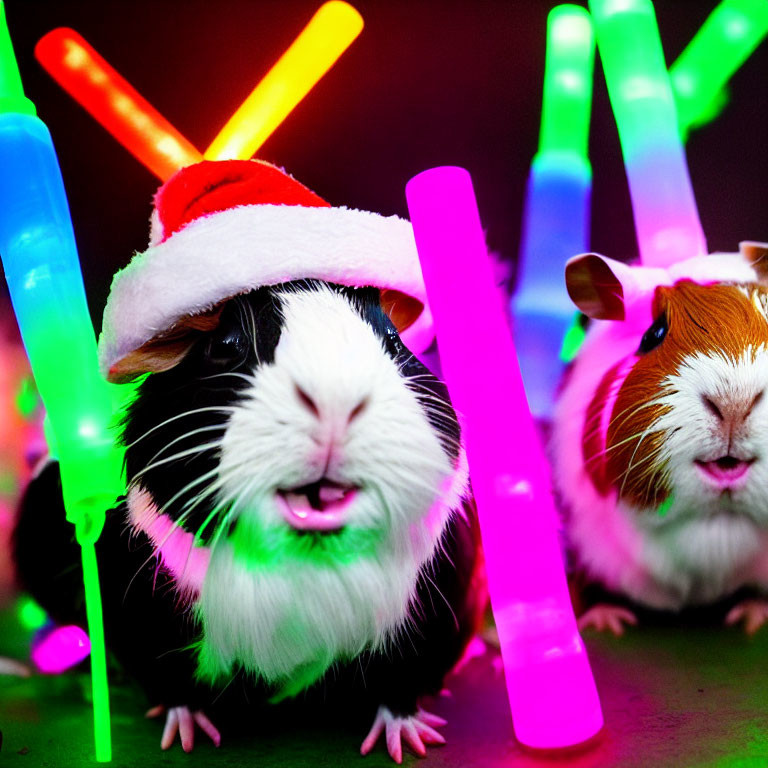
(660, 434)
(298, 518)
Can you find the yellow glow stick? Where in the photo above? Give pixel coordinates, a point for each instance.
(329, 33)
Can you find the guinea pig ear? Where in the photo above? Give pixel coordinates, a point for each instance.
(757, 255)
(596, 285)
(165, 350)
(403, 310)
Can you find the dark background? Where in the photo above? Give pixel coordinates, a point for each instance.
(427, 83)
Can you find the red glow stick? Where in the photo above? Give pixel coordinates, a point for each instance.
(114, 103)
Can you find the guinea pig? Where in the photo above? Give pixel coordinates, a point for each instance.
(298, 518)
(660, 434)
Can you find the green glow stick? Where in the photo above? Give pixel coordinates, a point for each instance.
(666, 218)
(726, 39)
(12, 98)
(31, 615)
(567, 82)
(43, 272)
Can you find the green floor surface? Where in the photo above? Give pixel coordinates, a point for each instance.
(672, 697)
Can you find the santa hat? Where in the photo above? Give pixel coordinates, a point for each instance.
(224, 228)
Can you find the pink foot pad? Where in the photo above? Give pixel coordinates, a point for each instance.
(416, 730)
(754, 613)
(607, 617)
(13, 667)
(180, 720)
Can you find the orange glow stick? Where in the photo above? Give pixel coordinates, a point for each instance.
(114, 103)
(329, 33)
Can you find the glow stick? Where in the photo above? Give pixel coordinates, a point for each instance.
(666, 218)
(726, 39)
(43, 273)
(30, 614)
(556, 217)
(114, 103)
(329, 33)
(61, 649)
(549, 682)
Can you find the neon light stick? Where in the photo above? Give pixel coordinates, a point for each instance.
(114, 103)
(329, 33)
(549, 682)
(726, 39)
(666, 218)
(556, 217)
(30, 614)
(43, 273)
(60, 649)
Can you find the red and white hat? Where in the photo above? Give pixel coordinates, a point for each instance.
(223, 228)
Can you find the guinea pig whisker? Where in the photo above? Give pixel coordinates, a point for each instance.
(632, 409)
(190, 505)
(194, 412)
(199, 449)
(185, 436)
(198, 499)
(249, 379)
(613, 447)
(633, 465)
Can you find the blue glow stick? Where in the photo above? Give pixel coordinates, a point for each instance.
(39, 255)
(556, 217)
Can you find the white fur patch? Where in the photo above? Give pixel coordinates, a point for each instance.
(288, 624)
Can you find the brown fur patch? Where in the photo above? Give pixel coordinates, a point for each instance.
(713, 320)
(592, 439)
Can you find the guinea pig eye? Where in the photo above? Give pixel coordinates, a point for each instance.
(226, 348)
(654, 335)
(392, 340)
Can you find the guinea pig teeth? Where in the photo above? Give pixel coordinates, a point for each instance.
(331, 493)
(319, 495)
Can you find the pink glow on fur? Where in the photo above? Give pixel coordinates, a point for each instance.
(610, 402)
(550, 686)
(174, 546)
(610, 546)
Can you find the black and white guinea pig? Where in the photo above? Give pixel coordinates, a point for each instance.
(298, 515)
(660, 436)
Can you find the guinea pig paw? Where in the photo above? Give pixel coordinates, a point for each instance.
(13, 667)
(416, 730)
(754, 613)
(180, 720)
(604, 616)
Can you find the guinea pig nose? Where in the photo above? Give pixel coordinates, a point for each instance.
(357, 410)
(712, 407)
(307, 401)
(731, 410)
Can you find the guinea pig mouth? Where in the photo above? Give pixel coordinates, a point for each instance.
(318, 506)
(725, 472)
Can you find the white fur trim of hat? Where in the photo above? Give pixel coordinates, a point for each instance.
(202, 254)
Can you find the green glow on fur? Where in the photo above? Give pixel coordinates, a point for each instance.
(573, 339)
(258, 546)
(665, 505)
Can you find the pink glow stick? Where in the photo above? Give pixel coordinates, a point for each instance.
(61, 649)
(551, 690)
